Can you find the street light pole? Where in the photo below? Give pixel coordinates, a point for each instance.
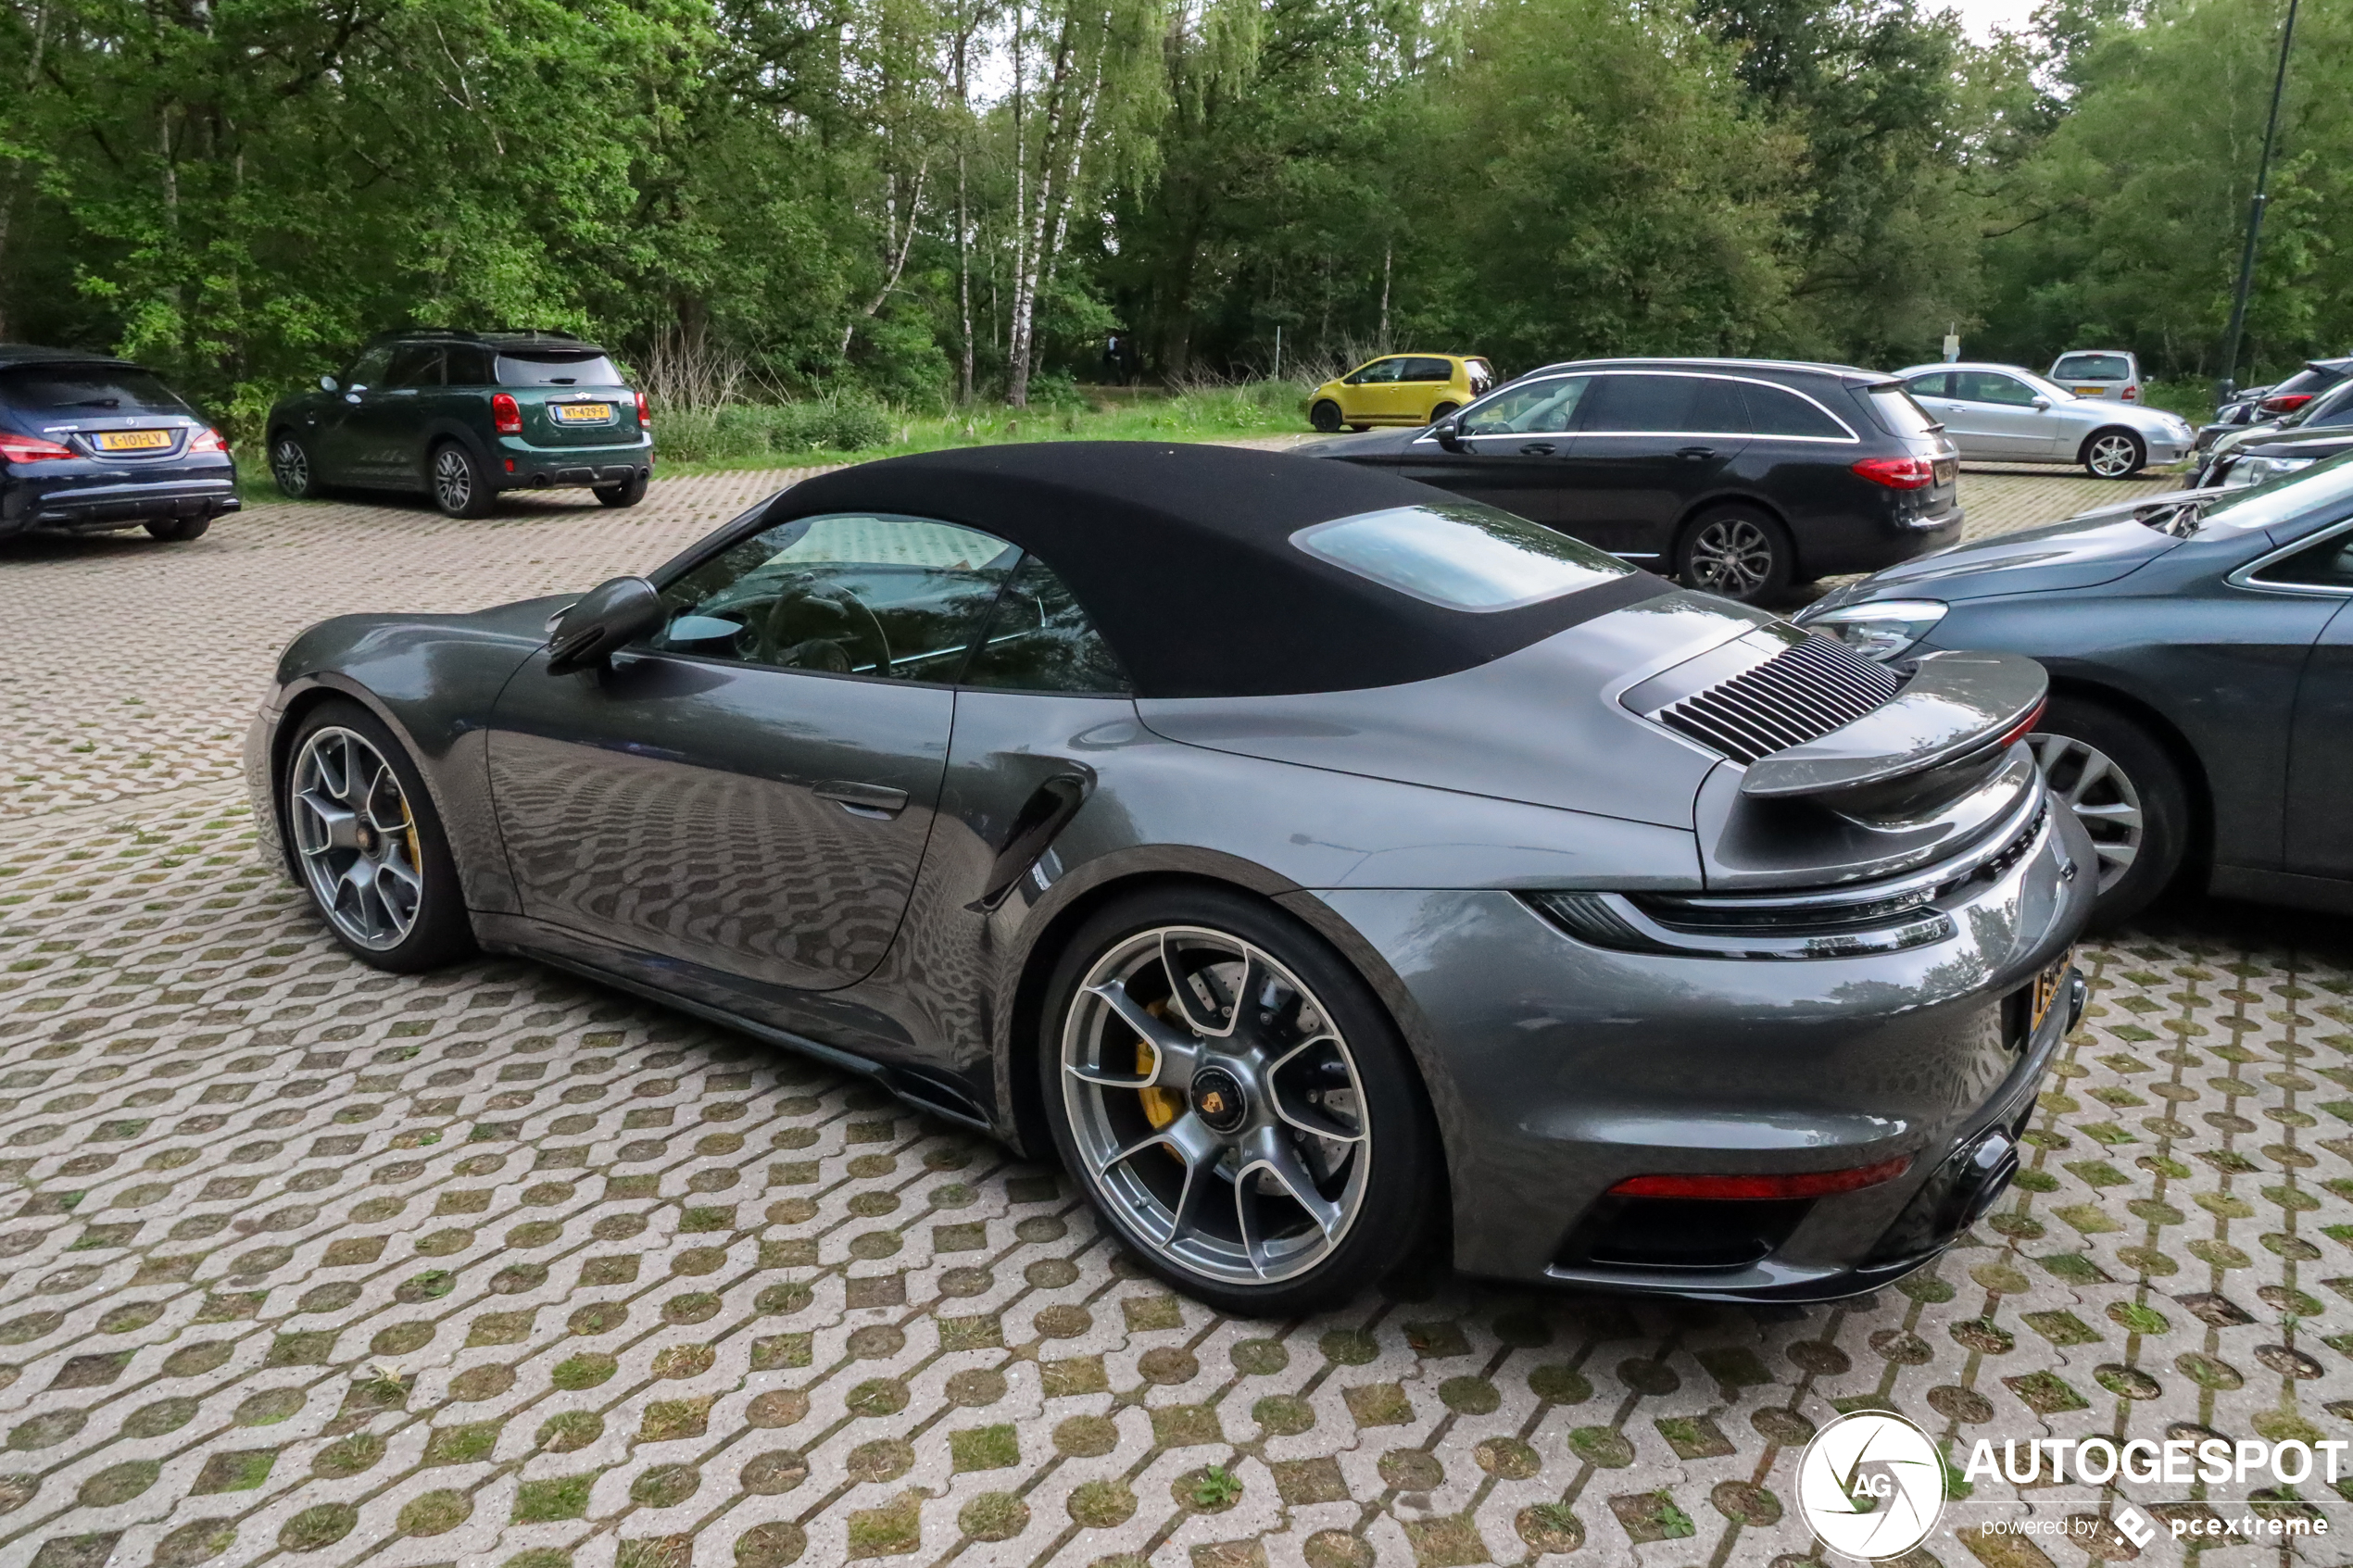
(2254, 220)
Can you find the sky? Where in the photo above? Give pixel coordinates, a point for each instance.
(1980, 17)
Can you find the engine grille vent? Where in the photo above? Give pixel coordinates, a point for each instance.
(1800, 695)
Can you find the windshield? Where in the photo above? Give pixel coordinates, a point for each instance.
(99, 389)
(2292, 498)
(557, 368)
(1461, 555)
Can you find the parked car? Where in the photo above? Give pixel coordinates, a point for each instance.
(2331, 410)
(2004, 414)
(2279, 454)
(2109, 374)
(2201, 660)
(2257, 404)
(1424, 859)
(1737, 476)
(91, 443)
(463, 416)
(1398, 389)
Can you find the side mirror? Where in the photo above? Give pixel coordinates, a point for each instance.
(1449, 433)
(609, 618)
(327, 383)
(2040, 405)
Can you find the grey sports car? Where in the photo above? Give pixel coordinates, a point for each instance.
(1321, 865)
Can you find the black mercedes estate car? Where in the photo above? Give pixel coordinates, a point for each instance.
(91, 443)
(1738, 476)
(465, 415)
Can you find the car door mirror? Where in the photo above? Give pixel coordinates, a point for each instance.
(1448, 433)
(609, 618)
(2040, 405)
(328, 384)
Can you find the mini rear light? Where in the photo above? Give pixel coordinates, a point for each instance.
(1898, 473)
(30, 450)
(208, 441)
(1804, 1184)
(645, 413)
(506, 414)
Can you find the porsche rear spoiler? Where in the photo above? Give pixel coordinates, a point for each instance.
(1945, 730)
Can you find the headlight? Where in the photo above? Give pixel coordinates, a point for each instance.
(2255, 470)
(1879, 628)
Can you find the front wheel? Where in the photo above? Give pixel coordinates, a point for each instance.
(2128, 794)
(1325, 416)
(459, 487)
(1238, 1104)
(628, 493)
(1737, 554)
(369, 845)
(2114, 454)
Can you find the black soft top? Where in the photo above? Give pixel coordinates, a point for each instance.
(1182, 555)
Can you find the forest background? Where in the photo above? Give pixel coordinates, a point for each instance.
(945, 205)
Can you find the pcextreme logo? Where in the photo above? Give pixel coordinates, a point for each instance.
(1871, 1486)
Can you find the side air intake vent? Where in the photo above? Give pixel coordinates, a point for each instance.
(1801, 693)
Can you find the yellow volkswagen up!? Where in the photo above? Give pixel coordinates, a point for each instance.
(1398, 389)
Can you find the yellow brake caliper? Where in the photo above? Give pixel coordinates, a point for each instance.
(1161, 1106)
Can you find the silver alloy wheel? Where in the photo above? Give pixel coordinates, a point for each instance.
(2089, 783)
(357, 839)
(453, 479)
(1215, 1105)
(1731, 555)
(2113, 456)
(289, 465)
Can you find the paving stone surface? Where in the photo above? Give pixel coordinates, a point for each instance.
(304, 1264)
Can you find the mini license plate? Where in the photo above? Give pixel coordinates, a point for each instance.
(583, 413)
(2050, 987)
(131, 440)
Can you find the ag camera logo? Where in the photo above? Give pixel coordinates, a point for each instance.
(1871, 1486)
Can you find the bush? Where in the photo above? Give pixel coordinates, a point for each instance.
(746, 431)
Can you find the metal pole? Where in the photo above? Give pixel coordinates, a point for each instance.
(2228, 384)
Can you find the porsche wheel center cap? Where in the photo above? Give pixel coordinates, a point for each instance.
(1218, 1099)
(367, 841)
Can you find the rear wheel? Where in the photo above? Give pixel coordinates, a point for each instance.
(369, 845)
(1237, 1103)
(459, 487)
(628, 493)
(2114, 454)
(290, 466)
(1737, 553)
(2128, 794)
(1440, 411)
(179, 530)
(1325, 416)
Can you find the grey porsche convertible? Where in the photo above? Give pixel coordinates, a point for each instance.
(1323, 867)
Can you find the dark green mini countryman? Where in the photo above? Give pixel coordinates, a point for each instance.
(465, 415)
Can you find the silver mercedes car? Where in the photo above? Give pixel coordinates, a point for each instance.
(2004, 413)
(1320, 866)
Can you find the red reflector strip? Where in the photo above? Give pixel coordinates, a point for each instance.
(1803, 1184)
(2025, 726)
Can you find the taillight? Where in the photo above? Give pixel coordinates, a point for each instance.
(2131, 394)
(1898, 473)
(30, 450)
(505, 413)
(1805, 1184)
(645, 413)
(2286, 402)
(209, 441)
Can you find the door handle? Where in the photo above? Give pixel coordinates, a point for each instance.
(1537, 449)
(878, 801)
(1696, 453)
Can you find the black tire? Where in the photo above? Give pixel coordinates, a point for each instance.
(1442, 410)
(290, 468)
(439, 931)
(628, 493)
(1736, 553)
(1325, 416)
(179, 530)
(460, 488)
(1360, 429)
(1398, 1199)
(2130, 770)
(2113, 452)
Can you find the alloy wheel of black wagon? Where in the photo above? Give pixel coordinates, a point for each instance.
(2114, 454)
(1737, 554)
(1215, 1105)
(290, 466)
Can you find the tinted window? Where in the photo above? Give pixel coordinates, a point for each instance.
(101, 388)
(1778, 411)
(1940, 385)
(890, 596)
(1378, 372)
(1899, 413)
(1990, 386)
(557, 368)
(1664, 406)
(1537, 408)
(368, 370)
(469, 366)
(1464, 556)
(415, 364)
(2093, 367)
(1040, 640)
(2328, 564)
(1426, 369)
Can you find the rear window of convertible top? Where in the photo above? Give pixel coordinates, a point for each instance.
(1462, 555)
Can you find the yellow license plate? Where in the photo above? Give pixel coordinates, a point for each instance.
(131, 440)
(2089, 391)
(2050, 987)
(583, 413)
